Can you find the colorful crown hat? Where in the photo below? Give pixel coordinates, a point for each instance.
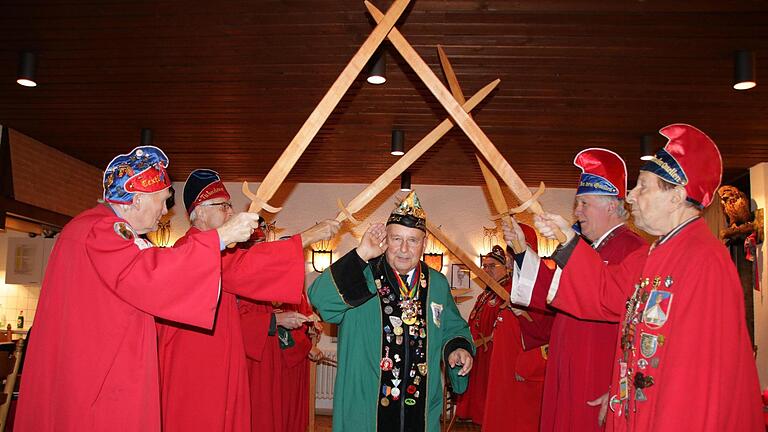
(203, 185)
(409, 213)
(141, 170)
(689, 159)
(497, 253)
(603, 172)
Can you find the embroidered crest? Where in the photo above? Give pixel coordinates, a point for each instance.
(657, 308)
(648, 344)
(437, 311)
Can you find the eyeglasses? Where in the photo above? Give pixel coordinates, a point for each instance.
(226, 205)
(489, 266)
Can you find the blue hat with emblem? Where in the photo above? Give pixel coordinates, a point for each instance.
(141, 170)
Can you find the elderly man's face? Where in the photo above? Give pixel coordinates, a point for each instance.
(651, 205)
(214, 212)
(405, 246)
(592, 212)
(494, 268)
(150, 207)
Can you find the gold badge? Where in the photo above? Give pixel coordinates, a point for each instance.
(123, 230)
(422, 368)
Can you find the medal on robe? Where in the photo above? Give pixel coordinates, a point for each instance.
(386, 362)
(640, 395)
(410, 402)
(623, 388)
(657, 308)
(614, 403)
(622, 369)
(395, 393)
(422, 368)
(642, 363)
(399, 338)
(410, 311)
(648, 344)
(384, 402)
(410, 306)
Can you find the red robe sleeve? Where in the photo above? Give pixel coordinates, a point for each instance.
(131, 272)
(531, 282)
(255, 319)
(589, 289)
(536, 331)
(270, 271)
(302, 343)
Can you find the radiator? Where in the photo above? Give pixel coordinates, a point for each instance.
(326, 376)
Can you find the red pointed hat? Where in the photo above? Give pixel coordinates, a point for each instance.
(603, 172)
(689, 159)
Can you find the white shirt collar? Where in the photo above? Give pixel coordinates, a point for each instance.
(596, 244)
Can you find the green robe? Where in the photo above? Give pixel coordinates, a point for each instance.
(346, 294)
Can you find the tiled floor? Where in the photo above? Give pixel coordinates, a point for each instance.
(323, 424)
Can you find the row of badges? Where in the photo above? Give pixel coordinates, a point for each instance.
(656, 306)
(405, 324)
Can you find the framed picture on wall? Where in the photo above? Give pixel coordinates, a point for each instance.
(460, 276)
(24, 263)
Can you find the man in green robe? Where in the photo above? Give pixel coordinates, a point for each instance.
(397, 322)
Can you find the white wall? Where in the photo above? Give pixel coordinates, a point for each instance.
(462, 211)
(758, 175)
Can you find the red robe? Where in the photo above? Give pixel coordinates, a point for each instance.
(92, 363)
(482, 321)
(279, 378)
(295, 374)
(513, 405)
(580, 351)
(203, 374)
(693, 342)
(493, 391)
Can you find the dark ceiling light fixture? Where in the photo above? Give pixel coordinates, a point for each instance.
(146, 137)
(26, 72)
(405, 181)
(646, 147)
(744, 70)
(377, 68)
(398, 142)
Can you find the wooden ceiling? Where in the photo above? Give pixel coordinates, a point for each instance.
(227, 84)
